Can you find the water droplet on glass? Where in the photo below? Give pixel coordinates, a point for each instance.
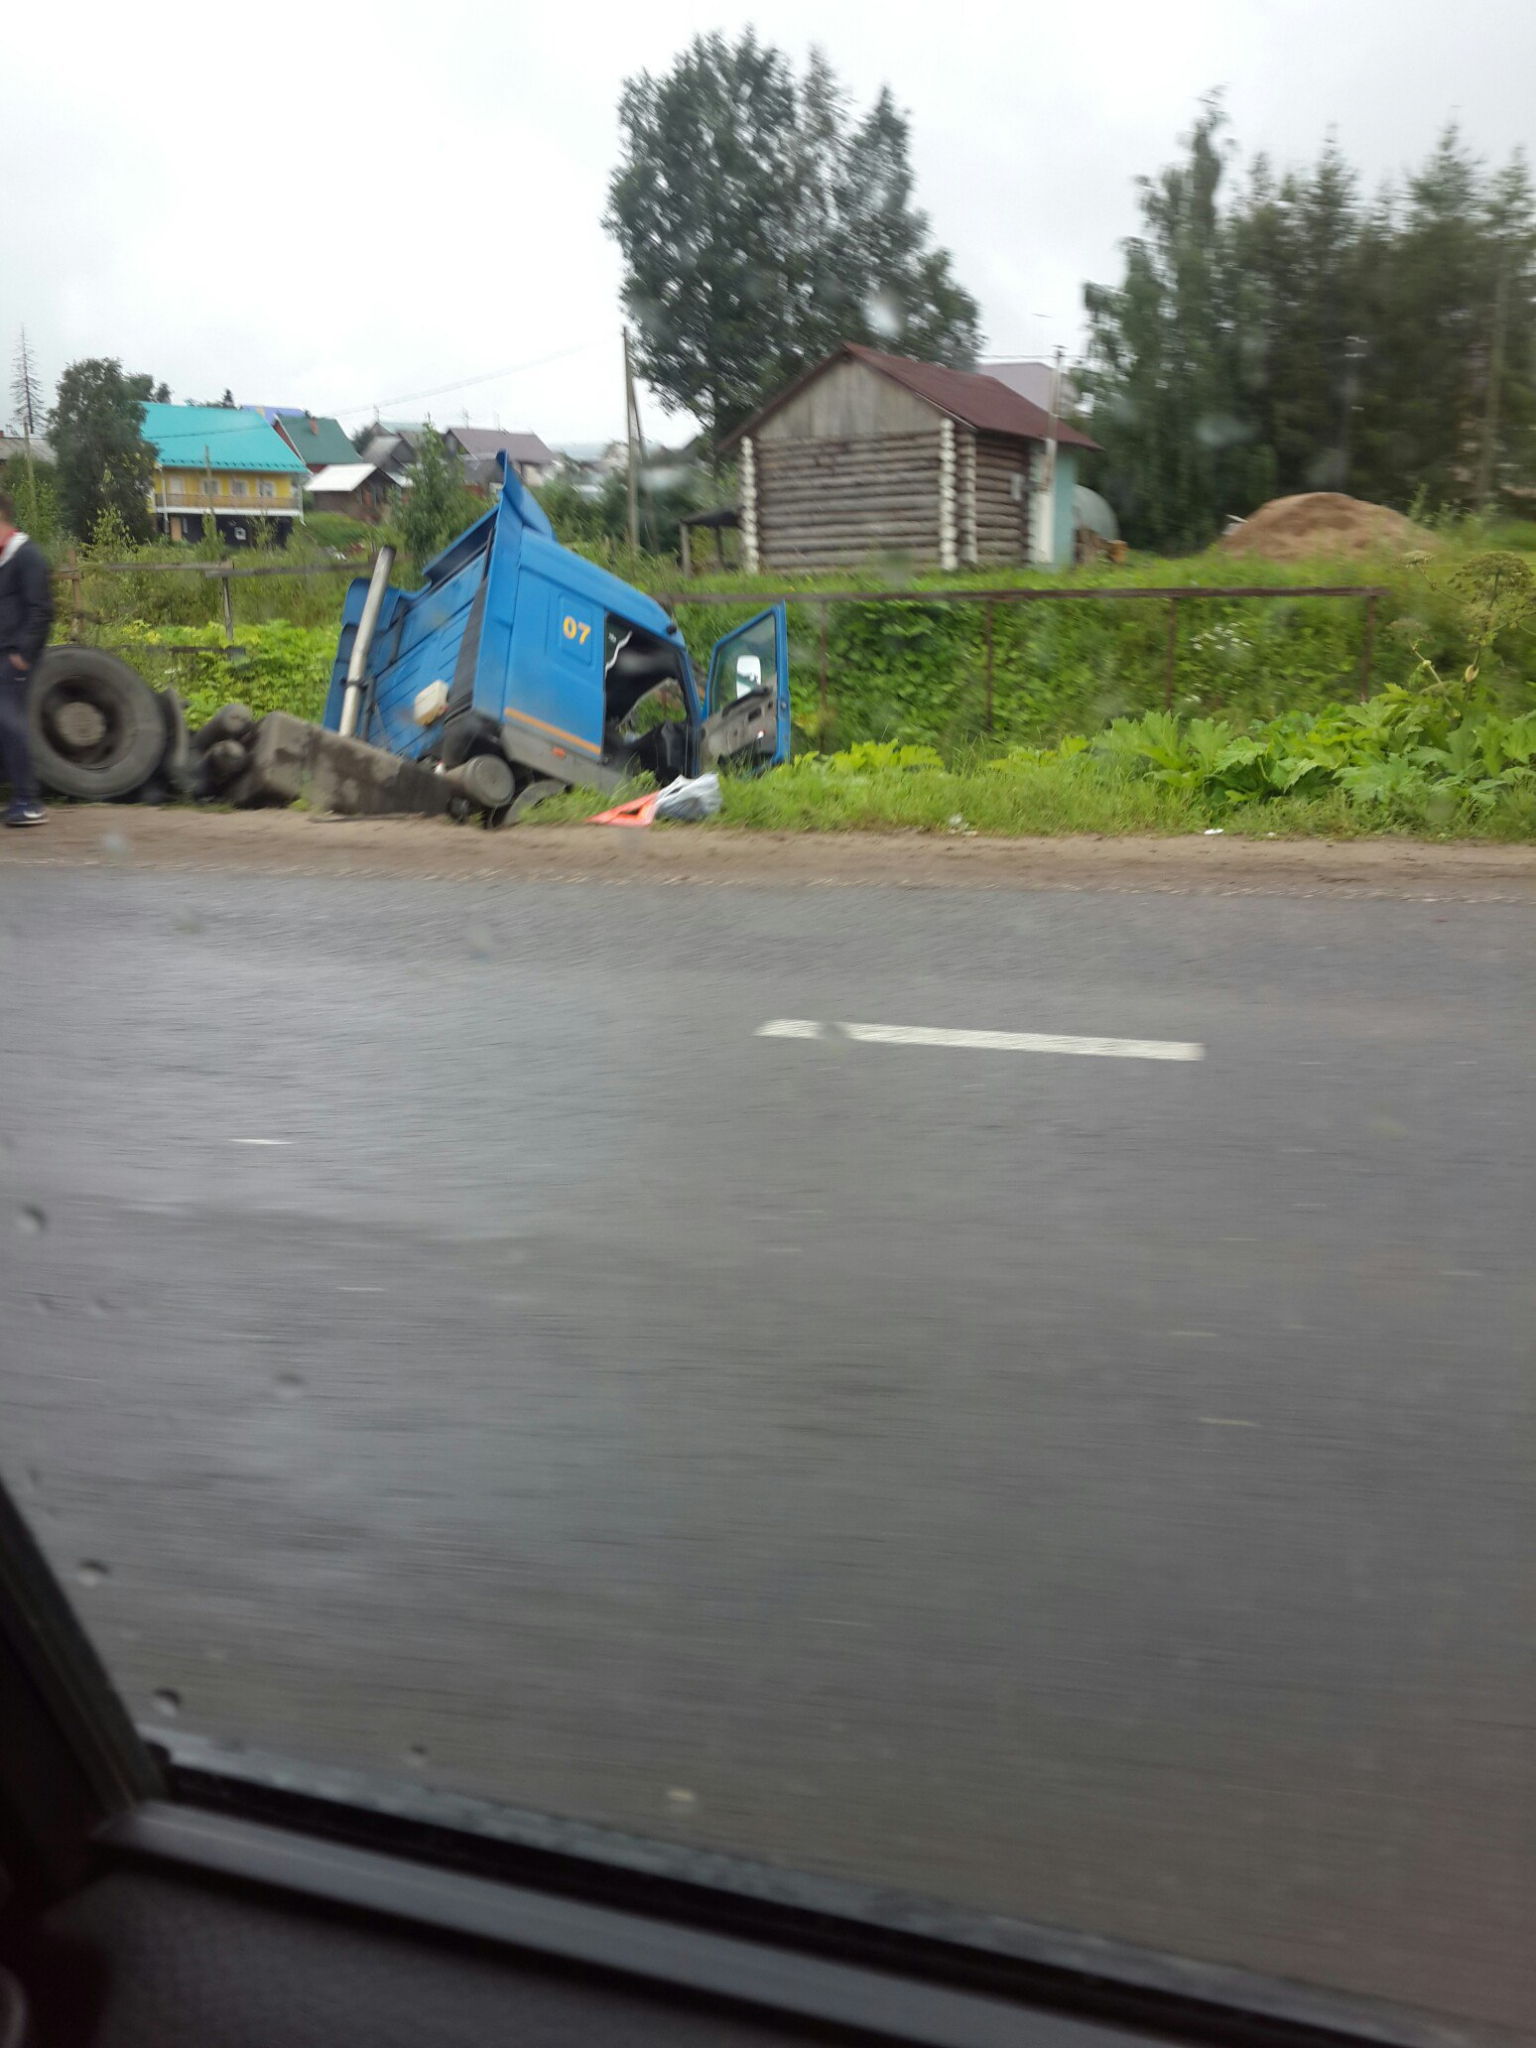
(97, 1307)
(288, 1384)
(680, 1797)
(30, 1220)
(168, 1703)
(186, 921)
(90, 1571)
(478, 942)
(114, 845)
(416, 1754)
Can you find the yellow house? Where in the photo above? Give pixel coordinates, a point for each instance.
(222, 464)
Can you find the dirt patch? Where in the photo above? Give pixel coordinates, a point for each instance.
(1323, 523)
(427, 849)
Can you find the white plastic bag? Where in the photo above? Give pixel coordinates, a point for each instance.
(688, 801)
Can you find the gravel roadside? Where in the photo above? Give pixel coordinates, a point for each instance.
(286, 842)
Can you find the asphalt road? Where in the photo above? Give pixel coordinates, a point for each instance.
(1097, 1489)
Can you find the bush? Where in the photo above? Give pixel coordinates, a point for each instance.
(278, 667)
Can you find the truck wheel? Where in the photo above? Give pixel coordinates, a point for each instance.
(96, 728)
(530, 794)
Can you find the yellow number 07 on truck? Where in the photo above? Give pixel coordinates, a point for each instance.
(575, 629)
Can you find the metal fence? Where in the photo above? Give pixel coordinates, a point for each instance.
(1367, 595)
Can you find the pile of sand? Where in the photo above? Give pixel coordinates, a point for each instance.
(1322, 523)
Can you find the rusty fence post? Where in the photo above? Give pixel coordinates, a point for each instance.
(987, 716)
(227, 599)
(1173, 641)
(1369, 647)
(824, 608)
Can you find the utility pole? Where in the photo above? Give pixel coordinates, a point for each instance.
(631, 438)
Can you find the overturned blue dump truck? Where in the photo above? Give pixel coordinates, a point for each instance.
(520, 668)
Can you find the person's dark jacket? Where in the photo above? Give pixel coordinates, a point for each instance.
(26, 605)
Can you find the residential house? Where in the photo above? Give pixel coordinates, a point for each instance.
(873, 454)
(360, 490)
(1042, 383)
(16, 444)
(587, 465)
(318, 440)
(478, 447)
(391, 449)
(224, 466)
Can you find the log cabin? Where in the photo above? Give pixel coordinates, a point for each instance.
(872, 455)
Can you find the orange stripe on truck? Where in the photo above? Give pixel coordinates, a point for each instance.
(559, 731)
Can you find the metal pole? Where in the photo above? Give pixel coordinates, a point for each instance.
(227, 596)
(987, 716)
(1369, 648)
(1173, 640)
(352, 697)
(822, 734)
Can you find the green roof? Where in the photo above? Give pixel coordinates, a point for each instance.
(216, 436)
(318, 439)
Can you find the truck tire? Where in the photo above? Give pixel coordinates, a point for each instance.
(95, 727)
(530, 794)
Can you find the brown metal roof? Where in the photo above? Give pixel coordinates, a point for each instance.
(491, 441)
(980, 401)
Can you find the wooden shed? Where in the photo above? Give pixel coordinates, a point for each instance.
(871, 454)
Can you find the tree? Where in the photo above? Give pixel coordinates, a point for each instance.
(1165, 374)
(26, 390)
(759, 229)
(439, 505)
(104, 464)
(1295, 338)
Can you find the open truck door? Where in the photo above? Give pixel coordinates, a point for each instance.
(746, 700)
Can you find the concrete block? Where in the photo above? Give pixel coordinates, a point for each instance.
(290, 758)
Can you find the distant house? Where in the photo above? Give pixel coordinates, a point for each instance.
(317, 440)
(873, 454)
(391, 449)
(587, 465)
(479, 447)
(222, 466)
(360, 490)
(1040, 383)
(16, 444)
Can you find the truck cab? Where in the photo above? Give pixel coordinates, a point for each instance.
(515, 645)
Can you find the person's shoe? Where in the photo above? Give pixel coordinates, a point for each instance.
(26, 814)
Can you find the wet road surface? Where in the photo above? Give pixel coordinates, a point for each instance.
(441, 1334)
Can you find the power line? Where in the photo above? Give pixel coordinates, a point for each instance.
(463, 383)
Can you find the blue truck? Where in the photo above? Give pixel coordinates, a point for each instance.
(520, 668)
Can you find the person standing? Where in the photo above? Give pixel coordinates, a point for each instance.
(26, 613)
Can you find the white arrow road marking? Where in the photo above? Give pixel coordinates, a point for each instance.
(989, 1041)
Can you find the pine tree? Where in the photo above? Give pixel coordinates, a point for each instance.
(26, 389)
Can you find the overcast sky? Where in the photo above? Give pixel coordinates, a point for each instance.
(341, 206)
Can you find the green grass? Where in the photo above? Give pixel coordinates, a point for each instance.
(1054, 801)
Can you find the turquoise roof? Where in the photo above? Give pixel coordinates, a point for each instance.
(216, 436)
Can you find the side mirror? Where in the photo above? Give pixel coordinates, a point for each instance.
(749, 673)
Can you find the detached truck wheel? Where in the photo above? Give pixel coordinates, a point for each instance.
(97, 729)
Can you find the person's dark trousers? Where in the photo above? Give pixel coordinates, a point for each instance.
(15, 755)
